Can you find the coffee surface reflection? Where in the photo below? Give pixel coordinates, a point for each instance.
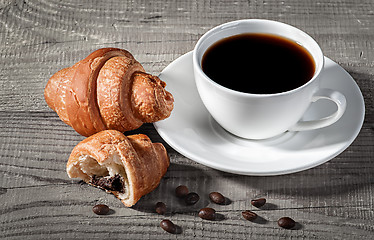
(258, 63)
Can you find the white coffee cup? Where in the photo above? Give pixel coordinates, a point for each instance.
(260, 116)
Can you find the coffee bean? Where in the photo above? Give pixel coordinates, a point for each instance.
(100, 209)
(286, 222)
(181, 191)
(207, 213)
(168, 226)
(249, 215)
(258, 202)
(160, 208)
(217, 197)
(191, 198)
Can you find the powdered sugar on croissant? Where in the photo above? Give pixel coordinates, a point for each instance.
(129, 167)
(108, 89)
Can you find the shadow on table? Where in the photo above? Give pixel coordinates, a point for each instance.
(194, 178)
(340, 176)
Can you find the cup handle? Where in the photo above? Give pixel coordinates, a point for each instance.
(324, 93)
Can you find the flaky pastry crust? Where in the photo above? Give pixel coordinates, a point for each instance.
(98, 92)
(139, 162)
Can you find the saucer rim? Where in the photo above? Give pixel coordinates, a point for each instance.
(226, 168)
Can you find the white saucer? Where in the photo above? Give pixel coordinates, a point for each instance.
(191, 130)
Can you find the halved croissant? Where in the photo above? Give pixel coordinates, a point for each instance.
(108, 89)
(129, 167)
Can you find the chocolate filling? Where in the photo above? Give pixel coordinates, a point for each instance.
(114, 183)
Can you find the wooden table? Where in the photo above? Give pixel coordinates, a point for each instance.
(37, 38)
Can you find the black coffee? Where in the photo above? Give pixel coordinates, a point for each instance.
(258, 63)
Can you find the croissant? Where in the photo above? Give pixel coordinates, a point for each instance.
(128, 167)
(108, 89)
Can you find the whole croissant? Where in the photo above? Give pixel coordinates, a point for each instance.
(129, 167)
(108, 89)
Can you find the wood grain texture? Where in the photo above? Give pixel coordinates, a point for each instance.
(39, 201)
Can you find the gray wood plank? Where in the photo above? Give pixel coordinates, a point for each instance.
(37, 38)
